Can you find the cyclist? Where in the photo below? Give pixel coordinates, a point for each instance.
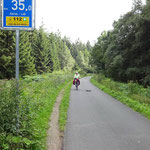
(76, 76)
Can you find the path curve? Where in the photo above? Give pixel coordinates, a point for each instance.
(96, 121)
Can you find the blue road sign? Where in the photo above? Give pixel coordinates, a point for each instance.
(18, 14)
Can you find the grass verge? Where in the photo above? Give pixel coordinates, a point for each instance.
(24, 123)
(64, 107)
(126, 93)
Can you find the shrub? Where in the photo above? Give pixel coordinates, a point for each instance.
(14, 116)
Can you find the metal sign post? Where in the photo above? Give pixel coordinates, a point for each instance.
(17, 15)
(17, 54)
(17, 79)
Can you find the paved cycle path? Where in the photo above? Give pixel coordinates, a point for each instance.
(96, 121)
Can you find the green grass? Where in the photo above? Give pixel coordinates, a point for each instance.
(64, 107)
(36, 101)
(131, 94)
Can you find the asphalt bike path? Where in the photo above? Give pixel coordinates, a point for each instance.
(96, 121)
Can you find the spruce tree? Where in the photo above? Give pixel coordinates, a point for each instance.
(41, 50)
(7, 54)
(54, 52)
(27, 66)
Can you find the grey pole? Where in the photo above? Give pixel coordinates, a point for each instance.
(17, 79)
(17, 54)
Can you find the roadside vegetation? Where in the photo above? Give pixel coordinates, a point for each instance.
(132, 94)
(123, 53)
(24, 120)
(63, 109)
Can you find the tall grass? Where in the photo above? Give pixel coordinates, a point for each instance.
(131, 94)
(23, 124)
(63, 109)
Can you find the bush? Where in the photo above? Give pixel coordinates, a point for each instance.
(14, 116)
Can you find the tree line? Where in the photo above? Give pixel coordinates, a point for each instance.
(123, 53)
(41, 52)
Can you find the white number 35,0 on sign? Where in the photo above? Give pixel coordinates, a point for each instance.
(20, 6)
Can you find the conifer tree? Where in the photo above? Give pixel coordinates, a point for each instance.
(41, 50)
(27, 66)
(7, 54)
(54, 52)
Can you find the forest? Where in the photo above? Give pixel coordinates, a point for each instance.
(123, 53)
(41, 52)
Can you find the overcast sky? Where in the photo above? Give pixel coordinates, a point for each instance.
(83, 19)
